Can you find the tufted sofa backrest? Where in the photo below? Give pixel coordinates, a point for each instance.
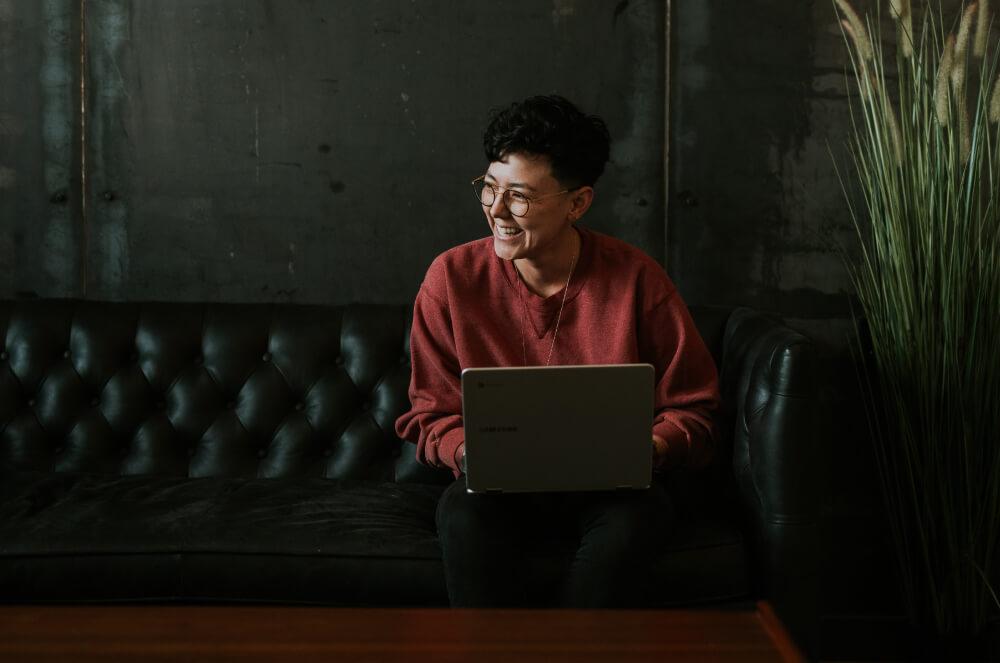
(206, 390)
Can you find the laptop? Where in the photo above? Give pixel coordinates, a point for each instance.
(558, 428)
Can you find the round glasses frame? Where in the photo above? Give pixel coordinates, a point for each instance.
(486, 194)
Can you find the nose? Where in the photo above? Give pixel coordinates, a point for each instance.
(499, 207)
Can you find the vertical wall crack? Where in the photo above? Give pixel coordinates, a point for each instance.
(667, 41)
(84, 229)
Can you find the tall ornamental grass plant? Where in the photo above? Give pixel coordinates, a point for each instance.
(926, 155)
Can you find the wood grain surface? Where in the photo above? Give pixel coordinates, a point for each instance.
(269, 633)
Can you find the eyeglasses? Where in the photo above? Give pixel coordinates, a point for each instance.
(516, 202)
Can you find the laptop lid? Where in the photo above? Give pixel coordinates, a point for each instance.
(558, 428)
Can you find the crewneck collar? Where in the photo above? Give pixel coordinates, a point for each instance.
(543, 310)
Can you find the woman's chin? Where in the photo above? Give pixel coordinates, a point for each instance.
(504, 250)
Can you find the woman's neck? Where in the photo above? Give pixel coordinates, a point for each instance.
(548, 275)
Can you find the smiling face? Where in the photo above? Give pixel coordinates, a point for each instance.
(547, 227)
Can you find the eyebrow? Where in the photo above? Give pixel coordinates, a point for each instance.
(513, 185)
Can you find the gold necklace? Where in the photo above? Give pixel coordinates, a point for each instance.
(524, 311)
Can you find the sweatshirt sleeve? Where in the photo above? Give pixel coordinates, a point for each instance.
(434, 421)
(687, 383)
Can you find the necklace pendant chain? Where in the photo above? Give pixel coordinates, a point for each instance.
(524, 312)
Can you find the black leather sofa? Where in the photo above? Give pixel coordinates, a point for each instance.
(154, 451)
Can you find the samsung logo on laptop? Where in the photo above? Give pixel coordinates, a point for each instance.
(498, 429)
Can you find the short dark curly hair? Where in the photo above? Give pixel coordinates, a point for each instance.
(577, 145)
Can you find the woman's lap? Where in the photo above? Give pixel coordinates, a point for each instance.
(487, 540)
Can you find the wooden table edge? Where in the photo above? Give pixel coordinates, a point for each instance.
(778, 633)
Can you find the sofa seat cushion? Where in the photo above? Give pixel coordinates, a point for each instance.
(101, 537)
(66, 536)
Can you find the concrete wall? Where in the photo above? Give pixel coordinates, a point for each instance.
(40, 229)
(255, 150)
(756, 213)
(319, 151)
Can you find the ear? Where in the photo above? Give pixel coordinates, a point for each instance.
(580, 202)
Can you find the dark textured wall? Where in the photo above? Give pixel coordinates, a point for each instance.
(320, 151)
(315, 151)
(756, 212)
(40, 232)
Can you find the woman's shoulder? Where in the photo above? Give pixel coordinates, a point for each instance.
(615, 256)
(609, 247)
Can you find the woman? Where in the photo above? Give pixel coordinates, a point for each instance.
(542, 291)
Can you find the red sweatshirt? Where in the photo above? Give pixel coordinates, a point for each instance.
(621, 308)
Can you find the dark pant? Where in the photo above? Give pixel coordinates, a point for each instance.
(488, 542)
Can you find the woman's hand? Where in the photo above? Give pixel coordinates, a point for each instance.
(659, 451)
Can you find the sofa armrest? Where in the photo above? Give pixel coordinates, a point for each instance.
(773, 390)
